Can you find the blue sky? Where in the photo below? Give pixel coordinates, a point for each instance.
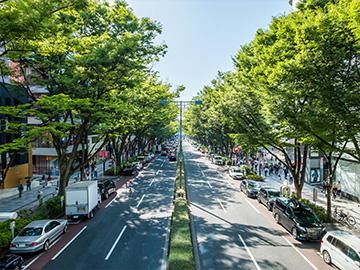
(203, 35)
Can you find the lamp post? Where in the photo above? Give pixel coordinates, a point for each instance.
(180, 104)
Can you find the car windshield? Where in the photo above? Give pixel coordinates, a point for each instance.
(237, 171)
(274, 194)
(253, 184)
(31, 231)
(305, 215)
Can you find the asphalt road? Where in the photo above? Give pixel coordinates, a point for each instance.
(130, 232)
(235, 232)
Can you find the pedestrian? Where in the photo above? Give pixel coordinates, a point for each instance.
(334, 190)
(20, 189)
(339, 189)
(40, 197)
(43, 180)
(56, 192)
(88, 176)
(95, 172)
(324, 186)
(28, 184)
(48, 180)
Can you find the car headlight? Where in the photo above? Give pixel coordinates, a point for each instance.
(302, 229)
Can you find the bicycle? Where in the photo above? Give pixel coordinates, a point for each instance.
(344, 217)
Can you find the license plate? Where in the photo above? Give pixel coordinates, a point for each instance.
(21, 245)
(75, 216)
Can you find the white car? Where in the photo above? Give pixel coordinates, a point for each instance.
(218, 160)
(138, 165)
(236, 173)
(341, 249)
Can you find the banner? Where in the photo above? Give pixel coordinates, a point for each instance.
(106, 154)
(101, 153)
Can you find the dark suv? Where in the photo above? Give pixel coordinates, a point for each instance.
(267, 196)
(106, 188)
(299, 219)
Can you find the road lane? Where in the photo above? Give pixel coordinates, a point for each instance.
(261, 245)
(132, 232)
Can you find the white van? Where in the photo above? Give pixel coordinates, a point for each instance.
(341, 249)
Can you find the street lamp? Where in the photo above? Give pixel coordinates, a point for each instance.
(180, 104)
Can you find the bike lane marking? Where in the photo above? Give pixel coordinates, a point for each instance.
(298, 251)
(68, 244)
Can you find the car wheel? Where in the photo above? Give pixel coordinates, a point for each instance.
(106, 195)
(294, 233)
(247, 193)
(46, 245)
(277, 218)
(17, 267)
(326, 257)
(258, 198)
(65, 229)
(91, 214)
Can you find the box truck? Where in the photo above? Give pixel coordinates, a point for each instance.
(82, 198)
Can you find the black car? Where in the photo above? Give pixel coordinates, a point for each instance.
(267, 196)
(128, 170)
(299, 219)
(250, 188)
(11, 262)
(106, 187)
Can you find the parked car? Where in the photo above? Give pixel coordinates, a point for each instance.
(341, 249)
(38, 235)
(172, 157)
(127, 170)
(138, 165)
(106, 188)
(11, 262)
(163, 153)
(250, 188)
(218, 160)
(203, 151)
(298, 218)
(267, 196)
(236, 173)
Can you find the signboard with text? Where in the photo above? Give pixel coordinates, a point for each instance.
(106, 154)
(101, 153)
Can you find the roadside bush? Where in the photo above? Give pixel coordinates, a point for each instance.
(24, 214)
(255, 177)
(318, 210)
(53, 206)
(246, 170)
(226, 160)
(110, 171)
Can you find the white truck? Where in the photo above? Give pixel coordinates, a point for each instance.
(82, 198)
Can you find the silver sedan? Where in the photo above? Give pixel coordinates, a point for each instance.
(38, 235)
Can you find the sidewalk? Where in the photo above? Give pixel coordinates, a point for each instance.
(10, 201)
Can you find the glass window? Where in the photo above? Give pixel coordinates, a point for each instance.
(353, 255)
(341, 246)
(329, 239)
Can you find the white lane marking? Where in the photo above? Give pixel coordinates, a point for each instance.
(209, 184)
(140, 201)
(157, 172)
(221, 204)
(231, 185)
(162, 164)
(252, 206)
(203, 173)
(248, 251)
(110, 202)
(30, 263)
(151, 182)
(298, 251)
(68, 244)
(115, 243)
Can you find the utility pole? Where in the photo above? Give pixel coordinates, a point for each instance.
(180, 104)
